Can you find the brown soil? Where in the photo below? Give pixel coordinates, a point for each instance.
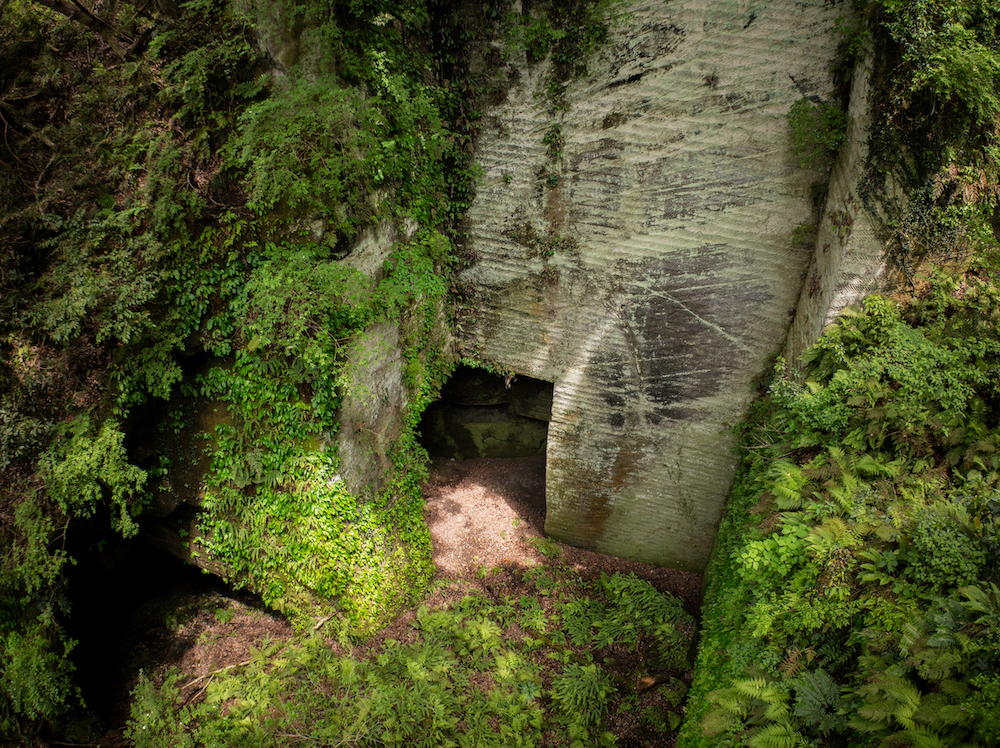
(490, 514)
(198, 634)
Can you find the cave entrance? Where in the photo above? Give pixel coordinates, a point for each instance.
(484, 415)
(500, 424)
(108, 585)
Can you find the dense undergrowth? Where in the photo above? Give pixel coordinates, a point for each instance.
(554, 665)
(174, 222)
(214, 216)
(853, 596)
(178, 216)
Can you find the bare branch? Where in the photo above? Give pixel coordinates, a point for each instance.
(76, 11)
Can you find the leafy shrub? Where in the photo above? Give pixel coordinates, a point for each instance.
(311, 148)
(873, 471)
(777, 554)
(581, 692)
(35, 676)
(302, 305)
(93, 281)
(948, 53)
(936, 102)
(944, 552)
(208, 74)
(153, 722)
(82, 468)
(20, 434)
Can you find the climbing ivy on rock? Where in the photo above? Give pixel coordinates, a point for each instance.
(176, 224)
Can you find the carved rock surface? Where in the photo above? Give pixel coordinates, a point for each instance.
(677, 184)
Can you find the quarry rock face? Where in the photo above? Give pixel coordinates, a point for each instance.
(635, 248)
(848, 262)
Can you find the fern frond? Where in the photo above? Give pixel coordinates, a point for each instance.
(982, 601)
(937, 710)
(917, 737)
(717, 721)
(839, 532)
(776, 711)
(887, 698)
(875, 465)
(730, 701)
(776, 736)
(750, 686)
(795, 660)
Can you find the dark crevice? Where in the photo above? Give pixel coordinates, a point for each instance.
(106, 588)
(484, 415)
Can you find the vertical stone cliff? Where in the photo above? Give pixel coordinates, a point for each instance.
(848, 261)
(642, 260)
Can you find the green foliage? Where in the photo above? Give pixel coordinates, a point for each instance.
(153, 723)
(948, 53)
(35, 676)
(92, 281)
(209, 74)
(83, 469)
(871, 471)
(754, 705)
(29, 566)
(804, 234)
(777, 554)
(133, 256)
(818, 703)
(316, 148)
(581, 692)
(945, 552)
(936, 103)
(20, 434)
(311, 148)
(301, 306)
(981, 704)
(278, 514)
(465, 675)
(571, 33)
(554, 141)
(817, 132)
(546, 547)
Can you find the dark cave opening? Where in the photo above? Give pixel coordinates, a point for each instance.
(106, 589)
(494, 425)
(485, 415)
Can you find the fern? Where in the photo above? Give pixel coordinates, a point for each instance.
(579, 618)
(918, 737)
(887, 700)
(818, 703)
(581, 692)
(747, 706)
(776, 736)
(788, 484)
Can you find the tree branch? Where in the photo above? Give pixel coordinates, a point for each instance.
(75, 11)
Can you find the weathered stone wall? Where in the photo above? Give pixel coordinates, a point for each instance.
(848, 262)
(678, 183)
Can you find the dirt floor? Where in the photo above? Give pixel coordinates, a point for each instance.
(490, 513)
(484, 515)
